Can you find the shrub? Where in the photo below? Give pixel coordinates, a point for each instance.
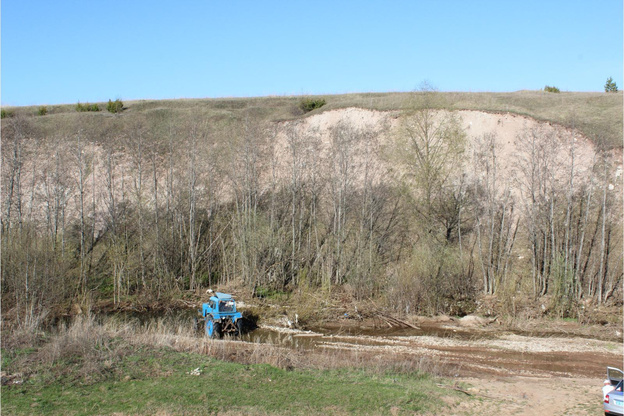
(309, 104)
(43, 110)
(87, 107)
(610, 86)
(551, 89)
(6, 113)
(114, 106)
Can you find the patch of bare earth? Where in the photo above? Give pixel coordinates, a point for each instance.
(499, 370)
(529, 396)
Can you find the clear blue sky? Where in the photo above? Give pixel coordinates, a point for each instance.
(67, 51)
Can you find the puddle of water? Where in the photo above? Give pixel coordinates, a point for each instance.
(364, 336)
(434, 330)
(299, 340)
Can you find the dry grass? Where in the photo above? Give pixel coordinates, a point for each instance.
(598, 115)
(172, 335)
(114, 367)
(88, 351)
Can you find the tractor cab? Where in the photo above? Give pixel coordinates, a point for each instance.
(220, 304)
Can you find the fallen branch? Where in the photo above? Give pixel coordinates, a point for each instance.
(467, 393)
(392, 321)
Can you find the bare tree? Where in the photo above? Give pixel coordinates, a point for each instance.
(303, 147)
(201, 184)
(246, 151)
(368, 248)
(57, 192)
(535, 166)
(496, 221)
(14, 132)
(136, 139)
(609, 276)
(429, 148)
(342, 157)
(81, 163)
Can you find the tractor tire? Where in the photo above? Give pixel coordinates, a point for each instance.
(216, 333)
(210, 328)
(240, 327)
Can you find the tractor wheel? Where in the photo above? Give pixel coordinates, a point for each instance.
(239, 327)
(217, 330)
(210, 328)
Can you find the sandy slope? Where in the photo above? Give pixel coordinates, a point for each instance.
(512, 135)
(378, 130)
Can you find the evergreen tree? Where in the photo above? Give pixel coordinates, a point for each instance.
(610, 86)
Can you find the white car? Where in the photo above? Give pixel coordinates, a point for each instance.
(612, 393)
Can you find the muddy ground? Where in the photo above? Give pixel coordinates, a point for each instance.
(509, 366)
(541, 368)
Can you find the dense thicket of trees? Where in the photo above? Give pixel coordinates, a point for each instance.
(150, 206)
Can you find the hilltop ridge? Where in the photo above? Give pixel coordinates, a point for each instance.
(597, 115)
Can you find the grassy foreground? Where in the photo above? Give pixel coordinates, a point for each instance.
(230, 388)
(89, 369)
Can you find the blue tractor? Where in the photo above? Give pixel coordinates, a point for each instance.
(220, 316)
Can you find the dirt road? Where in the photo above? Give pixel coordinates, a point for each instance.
(531, 396)
(508, 372)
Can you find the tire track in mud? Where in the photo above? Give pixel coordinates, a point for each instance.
(524, 373)
(494, 356)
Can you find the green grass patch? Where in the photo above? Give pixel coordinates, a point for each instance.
(161, 380)
(9, 356)
(272, 294)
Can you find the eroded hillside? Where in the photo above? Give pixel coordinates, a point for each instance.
(425, 208)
